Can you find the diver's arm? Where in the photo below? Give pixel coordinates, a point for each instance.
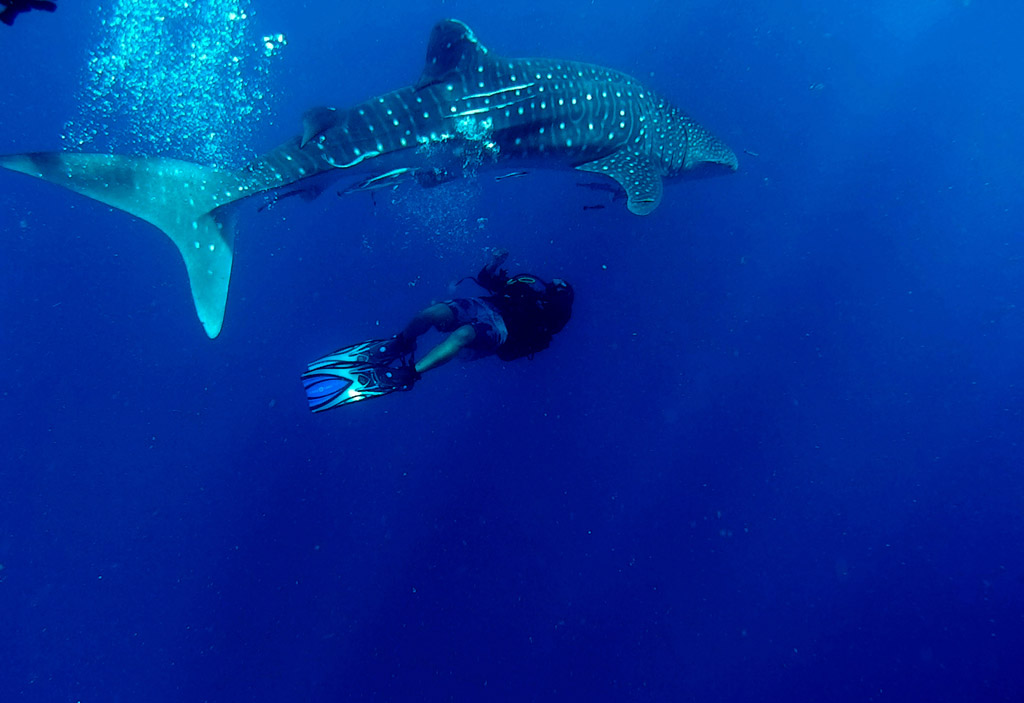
(491, 276)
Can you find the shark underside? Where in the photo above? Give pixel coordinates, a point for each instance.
(511, 112)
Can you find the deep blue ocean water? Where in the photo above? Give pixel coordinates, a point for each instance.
(775, 455)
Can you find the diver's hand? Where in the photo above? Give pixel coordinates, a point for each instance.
(498, 257)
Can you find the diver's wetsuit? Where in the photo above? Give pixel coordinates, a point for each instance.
(532, 310)
(13, 8)
(517, 319)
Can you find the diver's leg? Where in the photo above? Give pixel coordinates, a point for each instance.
(438, 316)
(446, 350)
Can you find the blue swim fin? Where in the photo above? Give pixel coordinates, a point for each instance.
(355, 373)
(374, 351)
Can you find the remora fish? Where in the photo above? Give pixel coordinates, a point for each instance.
(540, 112)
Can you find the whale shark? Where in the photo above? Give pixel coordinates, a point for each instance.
(515, 113)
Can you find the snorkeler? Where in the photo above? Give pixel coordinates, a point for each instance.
(13, 8)
(518, 318)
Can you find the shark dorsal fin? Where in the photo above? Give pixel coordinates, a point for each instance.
(452, 47)
(316, 121)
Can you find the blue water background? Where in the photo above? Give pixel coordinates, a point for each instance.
(776, 454)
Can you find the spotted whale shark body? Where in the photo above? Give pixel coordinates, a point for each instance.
(541, 112)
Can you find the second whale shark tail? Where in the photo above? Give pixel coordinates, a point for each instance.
(187, 202)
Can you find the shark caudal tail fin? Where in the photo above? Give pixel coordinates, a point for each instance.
(185, 201)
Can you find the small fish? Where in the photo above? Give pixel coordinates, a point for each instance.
(514, 174)
(607, 187)
(308, 193)
(750, 153)
(390, 179)
(593, 207)
(616, 191)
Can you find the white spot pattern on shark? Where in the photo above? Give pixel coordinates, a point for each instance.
(557, 113)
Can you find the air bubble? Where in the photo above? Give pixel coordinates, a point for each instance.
(183, 79)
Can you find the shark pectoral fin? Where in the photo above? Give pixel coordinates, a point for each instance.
(186, 201)
(635, 174)
(452, 48)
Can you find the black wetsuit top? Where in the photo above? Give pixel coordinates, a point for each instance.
(13, 8)
(529, 309)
